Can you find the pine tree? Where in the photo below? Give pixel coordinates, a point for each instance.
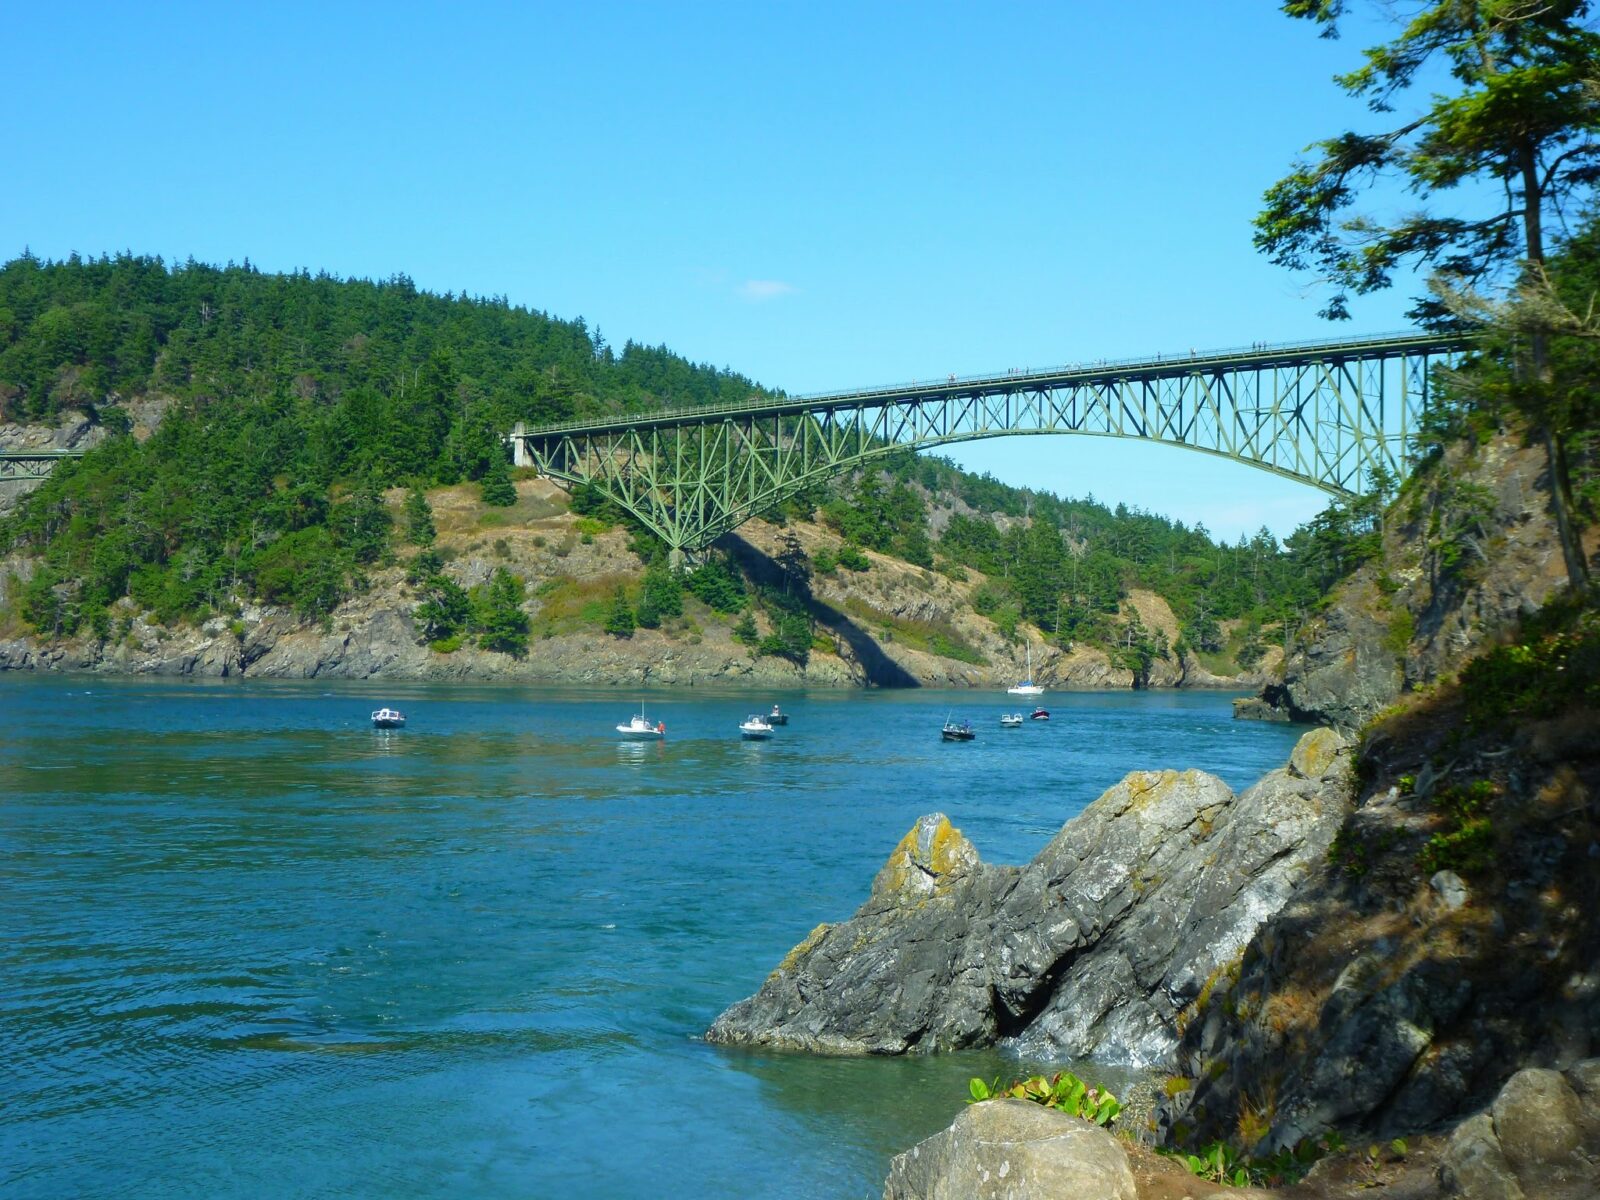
(620, 621)
(419, 519)
(498, 489)
(503, 624)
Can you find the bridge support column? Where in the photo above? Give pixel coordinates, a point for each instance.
(519, 447)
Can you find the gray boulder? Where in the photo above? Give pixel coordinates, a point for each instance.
(1540, 1138)
(1093, 949)
(1013, 1150)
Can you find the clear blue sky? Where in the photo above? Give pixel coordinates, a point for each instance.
(817, 195)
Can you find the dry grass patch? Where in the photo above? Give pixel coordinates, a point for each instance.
(569, 605)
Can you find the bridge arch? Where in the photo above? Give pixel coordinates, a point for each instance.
(1324, 414)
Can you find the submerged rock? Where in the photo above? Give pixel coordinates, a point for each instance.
(1093, 949)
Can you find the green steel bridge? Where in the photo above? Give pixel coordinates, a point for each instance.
(31, 464)
(1322, 413)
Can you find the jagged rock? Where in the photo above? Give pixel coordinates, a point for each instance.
(1345, 665)
(1258, 708)
(1091, 950)
(1538, 1140)
(1313, 754)
(1013, 1150)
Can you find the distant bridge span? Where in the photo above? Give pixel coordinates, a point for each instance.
(1322, 413)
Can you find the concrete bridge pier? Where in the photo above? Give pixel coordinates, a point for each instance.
(519, 445)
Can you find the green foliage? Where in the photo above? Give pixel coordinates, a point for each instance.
(419, 519)
(620, 621)
(1466, 844)
(1553, 666)
(1064, 1092)
(716, 584)
(445, 610)
(288, 390)
(498, 489)
(1221, 1163)
(1402, 628)
(745, 631)
(1515, 123)
(498, 615)
(824, 561)
(852, 559)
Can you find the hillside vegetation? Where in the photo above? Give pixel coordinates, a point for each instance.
(291, 403)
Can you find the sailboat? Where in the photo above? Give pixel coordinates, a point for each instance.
(1027, 687)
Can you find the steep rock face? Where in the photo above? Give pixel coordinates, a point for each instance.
(1391, 995)
(1093, 949)
(1471, 546)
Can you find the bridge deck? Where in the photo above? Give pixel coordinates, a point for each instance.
(1159, 366)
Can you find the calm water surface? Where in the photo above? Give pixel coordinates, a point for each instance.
(249, 947)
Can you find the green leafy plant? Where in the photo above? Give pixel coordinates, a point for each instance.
(1064, 1092)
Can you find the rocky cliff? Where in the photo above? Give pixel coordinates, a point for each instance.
(894, 624)
(1096, 948)
(1468, 547)
(1450, 937)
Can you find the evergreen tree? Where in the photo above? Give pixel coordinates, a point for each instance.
(445, 609)
(503, 624)
(498, 489)
(419, 519)
(620, 620)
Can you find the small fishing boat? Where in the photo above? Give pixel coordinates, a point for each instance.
(756, 728)
(1010, 720)
(388, 718)
(1027, 687)
(777, 716)
(1039, 714)
(957, 733)
(638, 729)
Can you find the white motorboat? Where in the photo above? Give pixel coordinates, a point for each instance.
(638, 729)
(755, 728)
(388, 718)
(1011, 720)
(1027, 687)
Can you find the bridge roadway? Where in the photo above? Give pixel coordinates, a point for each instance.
(1324, 413)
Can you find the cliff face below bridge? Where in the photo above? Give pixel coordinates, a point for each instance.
(894, 624)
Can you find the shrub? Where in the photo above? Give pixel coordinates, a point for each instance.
(1064, 1092)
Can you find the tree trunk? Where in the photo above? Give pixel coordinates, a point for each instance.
(1560, 481)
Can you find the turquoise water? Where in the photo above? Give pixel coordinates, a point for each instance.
(250, 947)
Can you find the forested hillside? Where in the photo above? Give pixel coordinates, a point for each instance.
(292, 401)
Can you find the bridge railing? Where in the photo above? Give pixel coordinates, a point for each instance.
(1263, 353)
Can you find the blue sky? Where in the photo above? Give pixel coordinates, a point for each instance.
(817, 195)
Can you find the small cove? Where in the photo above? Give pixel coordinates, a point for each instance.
(253, 947)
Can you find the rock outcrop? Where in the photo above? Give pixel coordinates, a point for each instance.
(1451, 938)
(1094, 949)
(1013, 1150)
(1539, 1140)
(1468, 549)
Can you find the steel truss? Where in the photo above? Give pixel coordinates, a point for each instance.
(32, 464)
(1325, 414)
